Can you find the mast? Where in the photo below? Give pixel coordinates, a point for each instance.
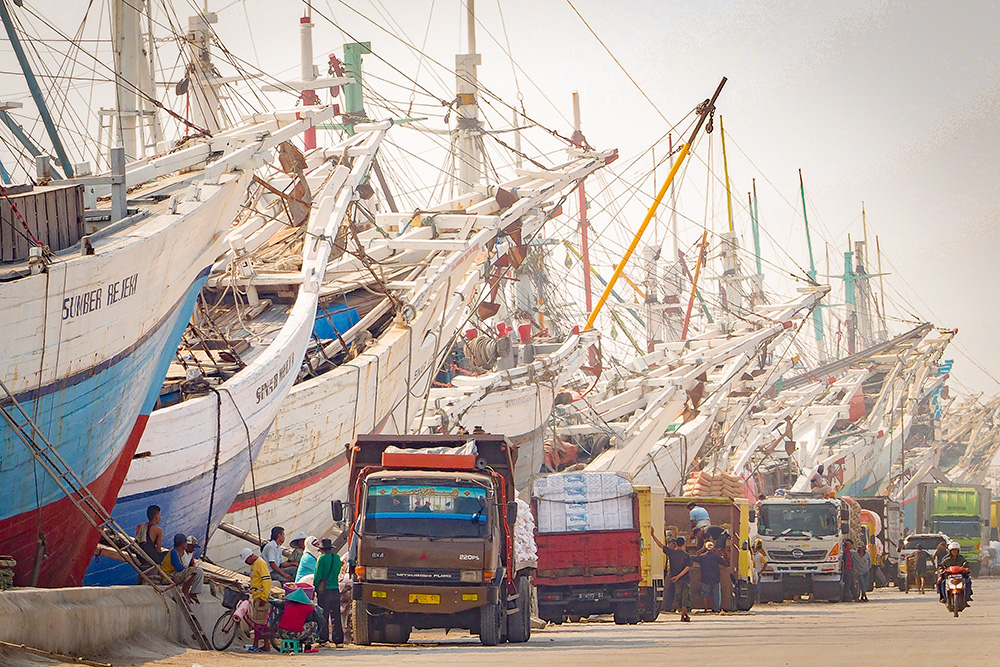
(582, 198)
(125, 16)
(817, 312)
(467, 83)
(307, 71)
(730, 245)
(883, 333)
(36, 91)
(849, 300)
(705, 109)
(758, 279)
(206, 105)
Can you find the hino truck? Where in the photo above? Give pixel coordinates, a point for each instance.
(960, 512)
(431, 521)
(802, 535)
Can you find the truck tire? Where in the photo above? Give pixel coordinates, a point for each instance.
(746, 595)
(360, 623)
(627, 613)
(519, 624)
(489, 624)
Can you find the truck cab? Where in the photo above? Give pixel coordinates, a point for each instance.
(431, 541)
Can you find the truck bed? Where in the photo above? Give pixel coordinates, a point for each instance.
(591, 557)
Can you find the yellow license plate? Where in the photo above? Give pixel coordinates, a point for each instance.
(422, 598)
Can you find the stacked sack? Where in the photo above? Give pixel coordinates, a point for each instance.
(525, 552)
(714, 484)
(7, 564)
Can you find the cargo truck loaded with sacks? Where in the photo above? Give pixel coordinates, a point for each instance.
(432, 538)
(803, 536)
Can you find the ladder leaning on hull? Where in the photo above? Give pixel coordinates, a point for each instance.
(84, 501)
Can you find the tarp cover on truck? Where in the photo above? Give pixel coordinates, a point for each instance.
(583, 501)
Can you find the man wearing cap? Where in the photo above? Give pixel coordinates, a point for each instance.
(711, 563)
(328, 590)
(298, 545)
(260, 590)
(188, 575)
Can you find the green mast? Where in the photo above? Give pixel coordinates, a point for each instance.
(817, 312)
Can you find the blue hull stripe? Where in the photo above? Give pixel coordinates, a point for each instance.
(184, 507)
(90, 418)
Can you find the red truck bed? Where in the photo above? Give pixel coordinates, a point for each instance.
(592, 557)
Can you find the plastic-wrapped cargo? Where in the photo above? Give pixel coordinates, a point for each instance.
(525, 551)
(583, 501)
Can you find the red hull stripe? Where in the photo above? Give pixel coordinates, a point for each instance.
(288, 486)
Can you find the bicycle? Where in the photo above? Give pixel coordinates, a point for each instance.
(237, 612)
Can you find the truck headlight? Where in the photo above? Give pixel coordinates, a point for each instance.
(377, 573)
(471, 576)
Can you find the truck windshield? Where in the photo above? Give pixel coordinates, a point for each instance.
(958, 527)
(800, 520)
(929, 543)
(431, 510)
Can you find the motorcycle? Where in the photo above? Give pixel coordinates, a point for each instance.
(954, 589)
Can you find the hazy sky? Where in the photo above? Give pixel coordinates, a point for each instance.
(890, 103)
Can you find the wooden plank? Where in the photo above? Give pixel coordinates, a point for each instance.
(7, 233)
(21, 244)
(62, 222)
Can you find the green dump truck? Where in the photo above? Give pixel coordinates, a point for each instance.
(960, 512)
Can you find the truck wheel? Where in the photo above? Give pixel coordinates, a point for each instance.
(519, 624)
(360, 623)
(627, 613)
(489, 624)
(745, 595)
(650, 614)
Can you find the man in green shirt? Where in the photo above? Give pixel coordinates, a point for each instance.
(327, 586)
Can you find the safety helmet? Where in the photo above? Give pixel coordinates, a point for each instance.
(954, 545)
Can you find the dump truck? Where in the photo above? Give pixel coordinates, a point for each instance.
(884, 519)
(962, 512)
(802, 535)
(733, 515)
(595, 554)
(431, 521)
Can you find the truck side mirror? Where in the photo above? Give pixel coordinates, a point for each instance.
(511, 512)
(845, 529)
(337, 509)
(753, 516)
(745, 546)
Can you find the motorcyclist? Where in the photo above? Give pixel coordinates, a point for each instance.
(953, 559)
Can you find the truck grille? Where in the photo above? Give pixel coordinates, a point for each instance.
(794, 555)
(410, 574)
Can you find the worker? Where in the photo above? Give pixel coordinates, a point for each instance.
(149, 535)
(850, 579)
(326, 581)
(300, 620)
(699, 516)
(678, 573)
(817, 484)
(298, 545)
(260, 590)
(271, 552)
(189, 576)
(307, 566)
(921, 567)
(863, 571)
(940, 553)
(711, 562)
(759, 563)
